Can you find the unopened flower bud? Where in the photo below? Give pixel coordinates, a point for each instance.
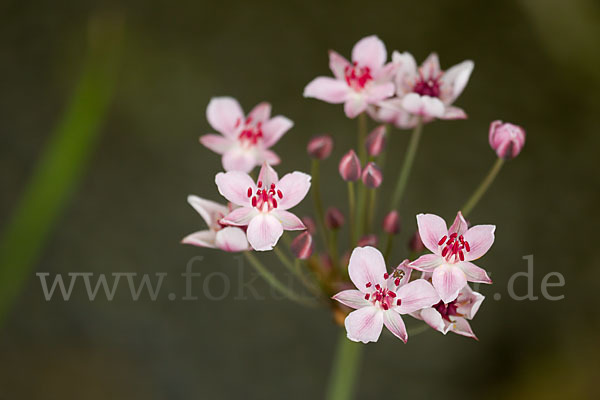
(367, 240)
(310, 224)
(302, 246)
(416, 244)
(334, 219)
(350, 167)
(372, 176)
(506, 139)
(375, 142)
(320, 147)
(391, 223)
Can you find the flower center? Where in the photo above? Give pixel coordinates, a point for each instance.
(381, 296)
(357, 77)
(265, 199)
(447, 310)
(251, 132)
(429, 87)
(455, 248)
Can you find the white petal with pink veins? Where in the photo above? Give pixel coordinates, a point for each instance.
(270, 157)
(431, 229)
(480, 238)
(338, 65)
(217, 143)
(294, 187)
(327, 89)
(201, 239)
(364, 325)
(369, 52)
(240, 216)
(474, 273)
(462, 327)
(224, 114)
(379, 91)
(355, 105)
(469, 302)
(231, 239)
(430, 69)
(427, 262)
(207, 209)
(264, 231)
(456, 79)
(289, 221)
(416, 295)
(451, 112)
(267, 176)
(425, 106)
(261, 112)
(459, 226)
(393, 321)
(434, 319)
(352, 298)
(448, 280)
(239, 159)
(234, 187)
(274, 129)
(366, 266)
(406, 72)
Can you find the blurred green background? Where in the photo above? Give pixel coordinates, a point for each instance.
(150, 70)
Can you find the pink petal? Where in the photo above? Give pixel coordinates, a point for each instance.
(231, 239)
(434, 319)
(207, 209)
(234, 187)
(294, 187)
(430, 69)
(224, 114)
(425, 106)
(261, 112)
(201, 239)
(406, 72)
(263, 232)
(327, 89)
(427, 262)
(240, 216)
(452, 112)
(352, 298)
(416, 295)
(274, 129)
(239, 159)
(267, 175)
(270, 157)
(431, 229)
(393, 321)
(469, 302)
(379, 91)
(369, 52)
(459, 226)
(355, 105)
(448, 280)
(289, 221)
(217, 143)
(474, 273)
(364, 325)
(462, 327)
(480, 238)
(366, 266)
(338, 65)
(456, 78)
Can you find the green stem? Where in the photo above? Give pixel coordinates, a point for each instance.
(483, 187)
(293, 267)
(351, 211)
(345, 367)
(315, 189)
(388, 246)
(409, 159)
(362, 135)
(273, 281)
(371, 208)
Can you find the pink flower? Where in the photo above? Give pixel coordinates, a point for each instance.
(453, 316)
(217, 235)
(381, 298)
(506, 139)
(263, 206)
(426, 91)
(453, 250)
(366, 81)
(245, 141)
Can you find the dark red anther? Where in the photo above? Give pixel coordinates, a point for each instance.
(455, 247)
(445, 251)
(467, 246)
(442, 240)
(391, 294)
(274, 203)
(461, 255)
(367, 296)
(272, 186)
(385, 306)
(249, 192)
(386, 275)
(462, 239)
(259, 183)
(397, 282)
(453, 236)
(398, 302)
(254, 202)
(377, 287)
(368, 284)
(279, 194)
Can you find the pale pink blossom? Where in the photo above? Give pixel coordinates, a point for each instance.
(453, 250)
(263, 205)
(381, 298)
(427, 92)
(454, 316)
(218, 235)
(245, 140)
(367, 80)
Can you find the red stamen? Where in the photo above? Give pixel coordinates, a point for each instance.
(259, 184)
(398, 302)
(461, 255)
(279, 194)
(386, 275)
(391, 294)
(249, 192)
(467, 246)
(368, 284)
(442, 240)
(367, 296)
(397, 282)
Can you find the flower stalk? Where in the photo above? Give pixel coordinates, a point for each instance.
(483, 187)
(409, 159)
(344, 370)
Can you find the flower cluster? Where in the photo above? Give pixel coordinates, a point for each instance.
(428, 286)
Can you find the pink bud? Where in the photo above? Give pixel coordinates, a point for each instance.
(302, 246)
(310, 224)
(350, 167)
(391, 223)
(334, 218)
(367, 240)
(320, 147)
(506, 139)
(416, 244)
(372, 176)
(375, 142)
